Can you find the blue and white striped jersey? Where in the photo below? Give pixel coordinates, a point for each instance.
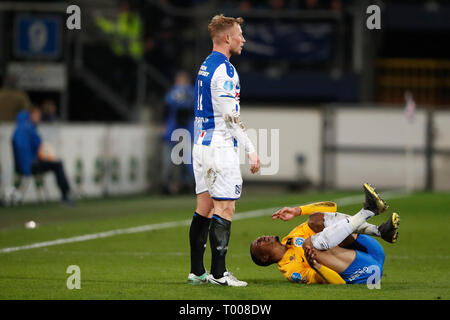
(217, 92)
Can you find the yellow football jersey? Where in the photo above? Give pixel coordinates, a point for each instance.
(293, 265)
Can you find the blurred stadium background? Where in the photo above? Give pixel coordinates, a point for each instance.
(313, 76)
(334, 88)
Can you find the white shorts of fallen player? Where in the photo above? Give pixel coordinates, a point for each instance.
(217, 171)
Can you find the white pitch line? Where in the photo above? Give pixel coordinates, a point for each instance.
(100, 235)
(166, 225)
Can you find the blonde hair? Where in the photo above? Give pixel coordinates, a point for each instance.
(221, 23)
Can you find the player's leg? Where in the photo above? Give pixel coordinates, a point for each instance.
(334, 234)
(369, 245)
(337, 258)
(224, 181)
(219, 237)
(57, 168)
(330, 218)
(198, 235)
(319, 220)
(355, 266)
(199, 229)
(388, 230)
(205, 205)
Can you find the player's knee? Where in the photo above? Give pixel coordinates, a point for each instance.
(205, 205)
(228, 211)
(224, 209)
(318, 241)
(205, 211)
(316, 222)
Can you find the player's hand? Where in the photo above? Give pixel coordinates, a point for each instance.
(286, 213)
(255, 163)
(310, 255)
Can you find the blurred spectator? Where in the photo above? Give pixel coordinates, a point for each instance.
(126, 31)
(49, 111)
(315, 4)
(126, 43)
(26, 143)
(336, 5)
(277, 4)
(12, 100)
(245, 5)
(178, 114)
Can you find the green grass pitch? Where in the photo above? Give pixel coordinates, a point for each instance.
(154, 264)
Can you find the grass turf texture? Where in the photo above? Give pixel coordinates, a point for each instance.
(155, 264)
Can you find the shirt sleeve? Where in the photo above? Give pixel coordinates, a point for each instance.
(228, 106)
(323, 206)
(329, 275)
(300, 274)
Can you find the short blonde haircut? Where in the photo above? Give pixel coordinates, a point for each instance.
(220, 23)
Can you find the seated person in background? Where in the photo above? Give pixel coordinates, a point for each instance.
(26, 144)
(49, 111)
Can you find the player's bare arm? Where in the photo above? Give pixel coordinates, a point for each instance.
(287, 213)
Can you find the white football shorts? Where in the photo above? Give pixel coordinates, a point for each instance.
(217, 170)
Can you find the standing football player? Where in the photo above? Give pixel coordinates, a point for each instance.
(218, 133)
